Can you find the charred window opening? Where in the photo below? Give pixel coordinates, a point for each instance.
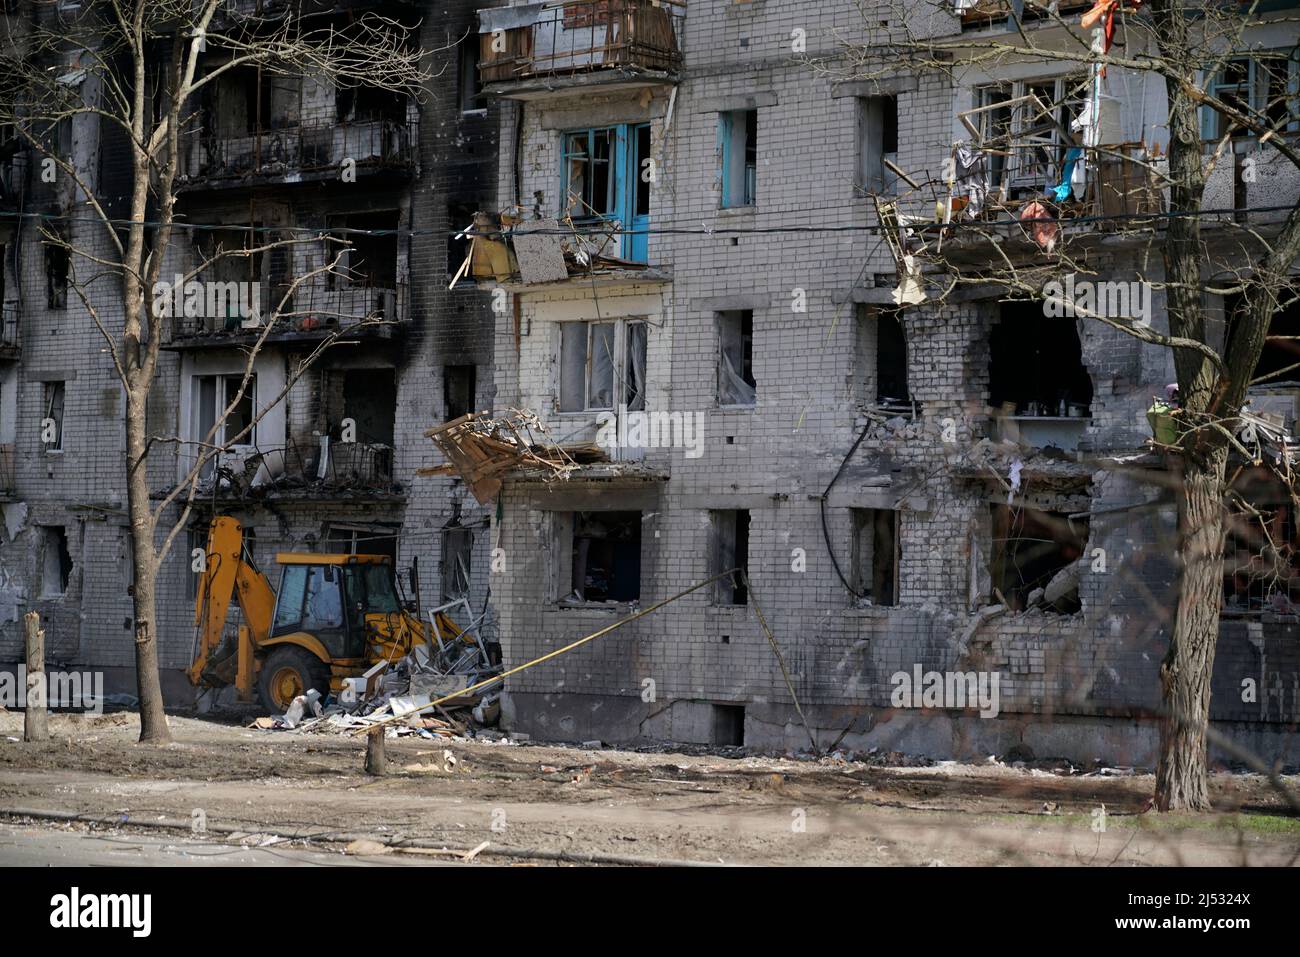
(57, 266)
(1036, 365)
(1279, 362)
(1261, 555)
(730, 528)
(606, 556)
(459, 386)
(369, 104)
(736, 382)
(370, 401)
(457, 558)
(874, 555)
(366, 244)
(1035, 558)
(460, 217)
(56, 561)
(470, 83)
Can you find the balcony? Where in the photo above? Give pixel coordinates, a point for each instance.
(303, 151)
(315, 312)
(579, 43)
(327, 469)
(10, 343)
(8, 480)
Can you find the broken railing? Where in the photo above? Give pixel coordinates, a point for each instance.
(318, 144)
(579, 36)
(325, 465)
(312, 308)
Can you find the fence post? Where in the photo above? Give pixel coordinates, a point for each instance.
(34, 722)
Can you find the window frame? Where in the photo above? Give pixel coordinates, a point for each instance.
(621, 388)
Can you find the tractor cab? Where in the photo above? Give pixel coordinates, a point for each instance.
(331, 596)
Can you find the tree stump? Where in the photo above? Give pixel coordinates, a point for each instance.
(376, 760)
(35, 727)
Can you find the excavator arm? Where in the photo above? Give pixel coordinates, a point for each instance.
(228, 573)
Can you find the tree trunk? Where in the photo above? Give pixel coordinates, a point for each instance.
(1182, 773)
(153, 719)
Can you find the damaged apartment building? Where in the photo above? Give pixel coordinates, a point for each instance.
(697, 221)
(373, 181)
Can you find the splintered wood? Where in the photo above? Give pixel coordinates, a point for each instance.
(482, 450)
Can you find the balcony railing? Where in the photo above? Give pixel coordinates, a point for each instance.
(580, 36)
(313, 309)
(314, 146)
(304, 468)
(8, 482)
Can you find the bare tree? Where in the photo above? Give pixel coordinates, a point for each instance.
(138, 67)
(1183, 46)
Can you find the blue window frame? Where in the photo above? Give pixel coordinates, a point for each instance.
(1266, 84)
(605, 176)
(738, 151)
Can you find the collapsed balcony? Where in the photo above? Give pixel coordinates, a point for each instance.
(329, 469)
(531, 49)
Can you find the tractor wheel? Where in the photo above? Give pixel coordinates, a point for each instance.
(287, 673)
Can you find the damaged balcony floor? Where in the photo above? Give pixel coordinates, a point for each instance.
(663, 806)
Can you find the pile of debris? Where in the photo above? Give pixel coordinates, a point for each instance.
(431, 693)
(482, 449)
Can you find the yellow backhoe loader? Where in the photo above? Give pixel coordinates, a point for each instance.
(334, 617)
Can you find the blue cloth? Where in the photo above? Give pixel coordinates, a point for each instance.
(1062, 192)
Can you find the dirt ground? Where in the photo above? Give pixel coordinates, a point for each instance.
(705, 807)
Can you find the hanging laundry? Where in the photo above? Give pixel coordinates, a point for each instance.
(1042, 225)
(972, 176)
(1073, 171)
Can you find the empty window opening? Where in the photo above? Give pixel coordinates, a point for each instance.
(371, 259)
(1262, 85)
(52, 425)
(370, 401)
(470, 85)
(738, 136)
(729, 725)
(56, 561)
(602, 365)
(1279, 361)
(457, 562)
(606, 556)
(736, 382)
(880, 365)
(460, 217)
(730, 530)
(1035, 558)
(874, 555)
(1261, 555)
(349, 539)
(877, 143)
(56, 276)
(368, 104)
(459, 385)
(1036, 365)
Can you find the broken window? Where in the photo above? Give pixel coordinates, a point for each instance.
(1036, 558)
(52, 424)
(370, 260)
(1261, 554)
(877, 143)
(1043, 135)
(211, 396)
(602, 365)
(730, 530)
(994, 124)
(457, 558)
(606, 556)
(56, 275)
(1263, 85)
(350, 539)
(1036, 365)
(56, 561)
(370, 401)
(470, 85)
(1279, 361)
(738, 142)
(369, 104)
(736, 382)
(880, 373)
(460, 217)
(604, 177)
(874, 555)
(459, 384)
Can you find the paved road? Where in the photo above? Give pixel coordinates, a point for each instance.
(33, 846)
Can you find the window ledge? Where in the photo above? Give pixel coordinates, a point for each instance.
(737, 212)
(603, 607)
